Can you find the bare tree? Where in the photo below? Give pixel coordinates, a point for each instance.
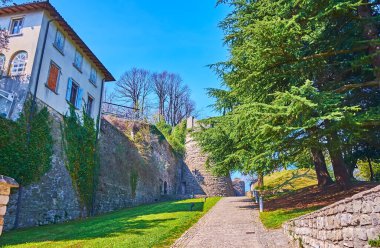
(160, 86)
(133, 88)
(179, 104)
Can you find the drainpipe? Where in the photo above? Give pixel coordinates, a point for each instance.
(32, 107)
(100, 109)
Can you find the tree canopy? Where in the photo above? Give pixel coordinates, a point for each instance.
(302, 83)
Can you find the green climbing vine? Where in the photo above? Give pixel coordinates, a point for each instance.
(176, 136)
(26, 146)
(133, 180)
(82, 153)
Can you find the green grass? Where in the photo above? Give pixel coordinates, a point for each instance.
(290, 180)
(274, 219)
(156, 225)
(374, 243)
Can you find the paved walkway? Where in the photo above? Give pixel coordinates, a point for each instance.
(232, 222)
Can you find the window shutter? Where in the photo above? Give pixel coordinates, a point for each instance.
(53, 77)
(78, 102)
(69, 86)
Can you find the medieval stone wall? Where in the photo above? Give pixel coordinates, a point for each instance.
(51, 200)
(197, 179)
(351, 222)
(154, 163)
(54, 199)
(239, 187)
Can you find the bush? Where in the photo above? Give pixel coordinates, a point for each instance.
(176, 136)
(26, 146)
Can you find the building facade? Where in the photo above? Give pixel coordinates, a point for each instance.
(46, 58)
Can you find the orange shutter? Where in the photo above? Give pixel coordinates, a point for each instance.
(53, 77)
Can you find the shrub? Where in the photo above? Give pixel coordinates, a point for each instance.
(26, 146)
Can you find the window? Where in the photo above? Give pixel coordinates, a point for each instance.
(53, 78)
(90, 103)
(74, 94)
(93, 76)
(78, 60)
(18, 64)
(2, 62)
(59, 41)
(16, 26)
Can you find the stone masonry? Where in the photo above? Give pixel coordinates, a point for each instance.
(351, 222)
(199, 180)
(155, 165)
(6, 184)
(53, 199)
(239, 187)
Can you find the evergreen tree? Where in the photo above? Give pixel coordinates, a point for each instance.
(276, 46)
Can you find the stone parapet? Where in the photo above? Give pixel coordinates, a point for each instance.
(6, 183)
(351, 222)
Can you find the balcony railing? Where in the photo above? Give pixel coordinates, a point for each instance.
(13, 92)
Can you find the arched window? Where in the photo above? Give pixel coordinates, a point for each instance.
(2, 61)
(18, 64)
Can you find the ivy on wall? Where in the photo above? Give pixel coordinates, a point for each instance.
(82, 153)
(26, 146)
(133, 180)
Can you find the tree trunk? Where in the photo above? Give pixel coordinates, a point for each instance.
(260, 181)
(340, 170)
(18, 208)
(372, 178)
(371, 32)
(323, 175)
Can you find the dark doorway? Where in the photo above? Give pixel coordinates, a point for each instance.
(165, 188)
(183, 188)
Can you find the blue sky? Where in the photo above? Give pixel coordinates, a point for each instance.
(175, 35)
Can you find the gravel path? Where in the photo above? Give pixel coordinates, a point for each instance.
(232, 222)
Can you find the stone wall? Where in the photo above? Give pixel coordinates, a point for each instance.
(51, 200)
(347, 223)
(239, 187)
(151, 159)
(6, 184)
(197, 179)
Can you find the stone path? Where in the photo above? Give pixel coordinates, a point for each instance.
(232, 222)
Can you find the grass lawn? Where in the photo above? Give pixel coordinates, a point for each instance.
(274, 219)
(156, 225)
(290, 180)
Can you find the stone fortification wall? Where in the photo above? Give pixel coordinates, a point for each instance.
(351, 222)
(150, 163)
(51, 200)
(147, 158)
(199, 180)
(239, 187)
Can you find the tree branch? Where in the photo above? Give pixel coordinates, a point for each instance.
(356, 86)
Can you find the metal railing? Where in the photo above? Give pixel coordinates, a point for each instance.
(121, 111)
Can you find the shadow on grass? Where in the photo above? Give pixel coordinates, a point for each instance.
(134, 221)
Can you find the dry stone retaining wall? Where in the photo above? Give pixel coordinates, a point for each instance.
(351, 222)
